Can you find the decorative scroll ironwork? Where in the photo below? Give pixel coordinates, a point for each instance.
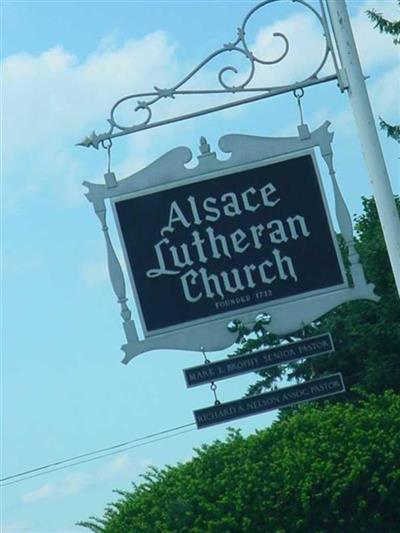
(146, 101)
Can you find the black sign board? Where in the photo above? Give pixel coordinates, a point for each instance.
(241, 364)
(201, 249)
(261, 403)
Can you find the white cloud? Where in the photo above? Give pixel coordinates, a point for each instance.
(42, 493)
(51, 101)
(307, 44)
(375, 49)
(117, 465)
(306, 50)
(46, 95)
(75, 483)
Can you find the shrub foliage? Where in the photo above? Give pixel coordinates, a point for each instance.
(330, 468)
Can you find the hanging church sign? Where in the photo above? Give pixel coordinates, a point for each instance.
(228, 239)
(234, 237)
(215, 245)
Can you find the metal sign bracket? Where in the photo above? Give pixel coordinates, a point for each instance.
(146, 103)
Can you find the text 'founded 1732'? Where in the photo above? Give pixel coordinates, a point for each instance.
(204, 248)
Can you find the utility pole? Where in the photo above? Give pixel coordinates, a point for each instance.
(365, 123)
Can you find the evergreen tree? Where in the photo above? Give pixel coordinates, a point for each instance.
(366, 334)
(390, 27)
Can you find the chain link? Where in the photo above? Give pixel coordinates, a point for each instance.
(213, 386)
(206, 361)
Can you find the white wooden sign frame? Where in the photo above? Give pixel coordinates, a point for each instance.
(287, 314)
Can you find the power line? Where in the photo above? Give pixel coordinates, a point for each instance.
(137, 439)
(98, 457)
(94, 452)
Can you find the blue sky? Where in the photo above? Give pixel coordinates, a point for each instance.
(64, 64)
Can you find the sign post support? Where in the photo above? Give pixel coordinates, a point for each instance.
(365, 123)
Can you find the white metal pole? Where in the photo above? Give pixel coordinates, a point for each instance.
(368, 135)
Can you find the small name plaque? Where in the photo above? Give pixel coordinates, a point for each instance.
(241, 364)
(261, 403)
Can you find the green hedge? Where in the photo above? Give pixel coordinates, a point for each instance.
(332, 468)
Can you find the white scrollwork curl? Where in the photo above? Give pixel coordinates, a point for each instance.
(141, 105)
(278, 59)
(145, 101)
(235, 88)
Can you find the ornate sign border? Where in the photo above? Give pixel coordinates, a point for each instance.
(180, 181)
(287, 316)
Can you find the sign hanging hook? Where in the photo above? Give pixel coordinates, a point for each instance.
(107, 144)
(109, 176)
(298, 94)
